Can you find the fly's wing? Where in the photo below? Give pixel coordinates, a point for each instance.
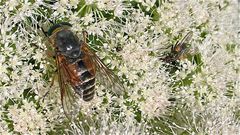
(181, 47)
(68, 96)
(104, 75)
(182, 44)
(179, 50)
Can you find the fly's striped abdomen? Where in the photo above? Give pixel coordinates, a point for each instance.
(86, 73)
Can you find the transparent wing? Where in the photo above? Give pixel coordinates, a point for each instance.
(68, 96)
(181, 47)
(104, 75)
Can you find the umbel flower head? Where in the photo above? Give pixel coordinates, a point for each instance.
(196, 94)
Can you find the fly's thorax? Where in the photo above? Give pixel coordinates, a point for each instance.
(74, 60)
(67, 43)
(64, 40)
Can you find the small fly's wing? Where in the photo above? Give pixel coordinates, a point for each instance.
(181, 47)
(104, 75)
(68, 96)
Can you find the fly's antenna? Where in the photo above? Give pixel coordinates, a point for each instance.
(85, 36)
(51, 21)
(44, 32)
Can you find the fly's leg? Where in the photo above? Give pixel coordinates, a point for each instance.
(52, 83)
(85, 36)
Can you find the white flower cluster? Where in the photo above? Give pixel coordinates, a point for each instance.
(129, 36)
(26, 119)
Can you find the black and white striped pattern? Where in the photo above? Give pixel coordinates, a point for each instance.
(86, 88)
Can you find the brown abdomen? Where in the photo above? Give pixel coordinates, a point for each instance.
(86, 73)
